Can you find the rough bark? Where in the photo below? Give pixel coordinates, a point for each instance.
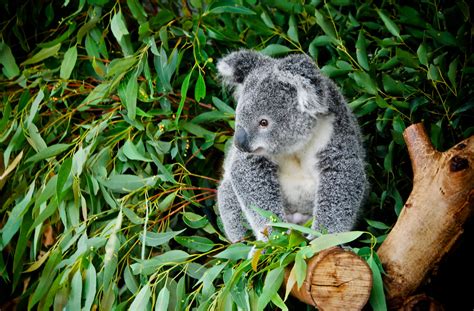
(432, 219)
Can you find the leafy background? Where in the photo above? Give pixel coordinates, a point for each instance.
(113, 127)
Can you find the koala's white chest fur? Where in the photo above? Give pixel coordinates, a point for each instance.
(298, 173)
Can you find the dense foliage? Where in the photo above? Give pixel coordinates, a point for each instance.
(113, 127)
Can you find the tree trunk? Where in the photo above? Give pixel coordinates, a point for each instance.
(432, 219)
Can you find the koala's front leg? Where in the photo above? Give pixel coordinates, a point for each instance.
(255, 181)
(231, 212)
(341, 192)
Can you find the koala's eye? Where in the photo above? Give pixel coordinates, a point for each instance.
(263, 123)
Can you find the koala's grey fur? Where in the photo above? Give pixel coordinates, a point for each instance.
(309, 159)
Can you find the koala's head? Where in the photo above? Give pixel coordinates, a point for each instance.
(278, 100)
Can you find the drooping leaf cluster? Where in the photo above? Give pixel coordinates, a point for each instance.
(113, 125)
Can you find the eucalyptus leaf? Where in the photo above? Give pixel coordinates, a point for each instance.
(68, 63)
(7, 60)
(42, 54)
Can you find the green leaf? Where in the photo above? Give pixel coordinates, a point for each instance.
(363, 80)
(326, 26)
(267, 20)
(293, 29)
(361, 51)
(63, 175)
(275, 49)
(433, 73)
(377, 224)
(231, 9)
(184, 91)
(329, 240)
(47, 277)
(391, 26)
(10, 68)
(296, 227)
(200, 88)
(142, 300)
(90, 286)
(120, 32)
(15, 217)
(42, 55)
(34, 107)
(211, 116)
(74, 299)
(49, 152)
(133, 153)
(68, 63)
(194, 221)
(131, 97)
(276, 299)
(407, 58)
(96, 96)
(149, 266)
(120, 66)
(123, 183)
(271, 286)
(159, 238)
(222, 106)
(129, 279)
(377, 295)
(163, 299)
(300, 269)
(137, 11)
(235, 252)
(422, 55)
(198, 130)
(198, 243)
(452, 71)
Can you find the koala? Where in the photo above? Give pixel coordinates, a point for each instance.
(297, 149)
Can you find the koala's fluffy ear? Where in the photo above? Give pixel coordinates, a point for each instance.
(311, 86)
(235, 67)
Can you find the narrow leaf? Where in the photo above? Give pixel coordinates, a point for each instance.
(271, 286)
(68, 63)
(184, 91)
(333, 239)
(275, 49)
(10, 68)
(42, 54)
(232, 9)
(377, 295)
(90, 287)
(131, 97)
(200, 88)
(391, 26)
(198, 243)
(293, 29)
(142, 299)
(159, 238)
(422, 55)
(74, 299)
(49, 152)
(163, 299)
(361, 51)
(63, 175)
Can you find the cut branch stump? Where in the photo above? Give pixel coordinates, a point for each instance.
(432, 219)
(336, 279)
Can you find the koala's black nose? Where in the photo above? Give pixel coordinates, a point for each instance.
(241, 140)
